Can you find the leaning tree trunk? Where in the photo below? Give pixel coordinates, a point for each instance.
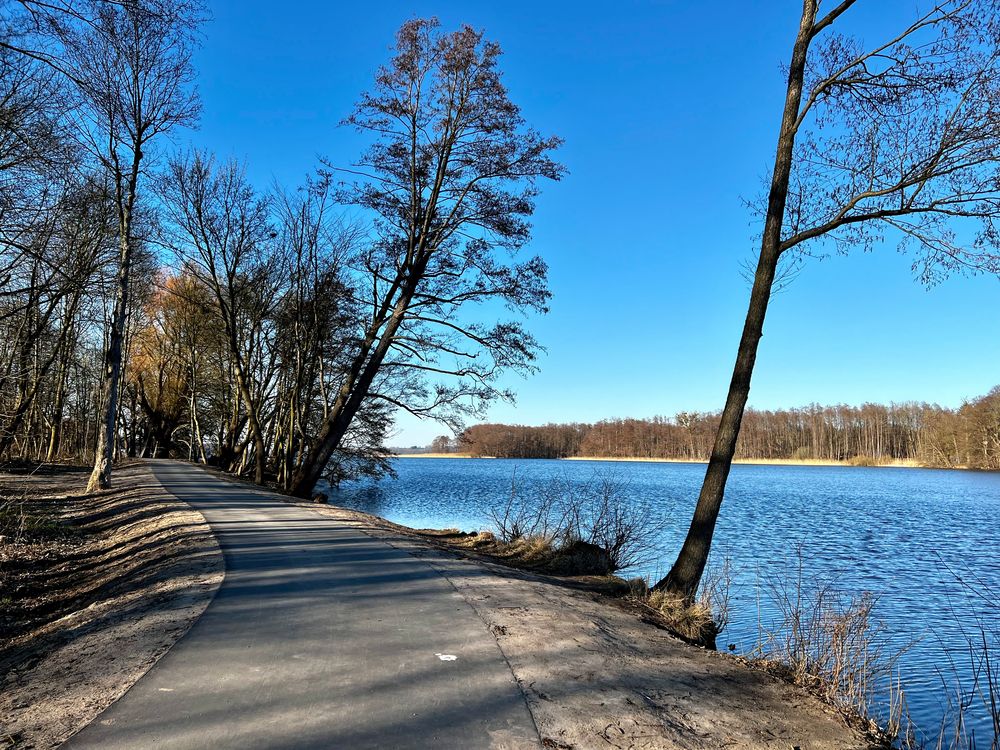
(685, 575)
(354, 391)
(338, 422)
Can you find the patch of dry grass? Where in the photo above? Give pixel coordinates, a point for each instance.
(693, 623)
(535, 553)
(62, 549)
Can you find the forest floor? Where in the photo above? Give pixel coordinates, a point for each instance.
(93, 590)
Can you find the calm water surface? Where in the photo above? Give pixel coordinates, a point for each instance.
(904, 534)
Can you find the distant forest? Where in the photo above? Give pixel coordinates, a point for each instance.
(870, 434)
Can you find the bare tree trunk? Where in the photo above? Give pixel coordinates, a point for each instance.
(290, 440)
(100, 477)
(28, 393)
(68, 342)
(197, 431)
(254, 422)
(355, 389)
(685, 575)
(191, 426)
(55, 433)
(196, 436)
(133, 430)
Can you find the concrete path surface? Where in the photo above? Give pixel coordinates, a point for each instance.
(319, 637)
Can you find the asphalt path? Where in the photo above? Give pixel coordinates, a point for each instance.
(319, 637)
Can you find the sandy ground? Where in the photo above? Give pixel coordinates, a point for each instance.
(87, 614)
(597, 673)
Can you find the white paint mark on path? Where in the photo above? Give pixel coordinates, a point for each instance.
(446, 657)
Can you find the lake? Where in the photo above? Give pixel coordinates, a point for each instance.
(907, 535)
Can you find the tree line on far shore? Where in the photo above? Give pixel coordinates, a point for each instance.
(871, 434)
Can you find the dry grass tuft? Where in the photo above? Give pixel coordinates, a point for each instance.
(590, 529)
(693, 623)
(700, 622)
(537, 553)
(862, 460)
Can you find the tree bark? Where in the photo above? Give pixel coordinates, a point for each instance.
(260, 448)
(100, 477)
(685, 575)
(55, 432)
(355, 389)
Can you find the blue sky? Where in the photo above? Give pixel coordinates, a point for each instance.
(669, 111)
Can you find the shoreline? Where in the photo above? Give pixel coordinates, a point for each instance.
(758, 462)
(742, 461)
(590, 666)
(594, 665)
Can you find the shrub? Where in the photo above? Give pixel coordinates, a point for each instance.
(830, 642)
(862, 460)
(599, 514)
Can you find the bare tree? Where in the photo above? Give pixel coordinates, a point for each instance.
(62, 255)
(897, 139)
(130, 63)
(316, 327)
(451, 179)
(223, 235)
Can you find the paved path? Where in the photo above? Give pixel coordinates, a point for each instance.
(320, 637)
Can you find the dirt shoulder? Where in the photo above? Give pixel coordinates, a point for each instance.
(597, 673)
(94, 589)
